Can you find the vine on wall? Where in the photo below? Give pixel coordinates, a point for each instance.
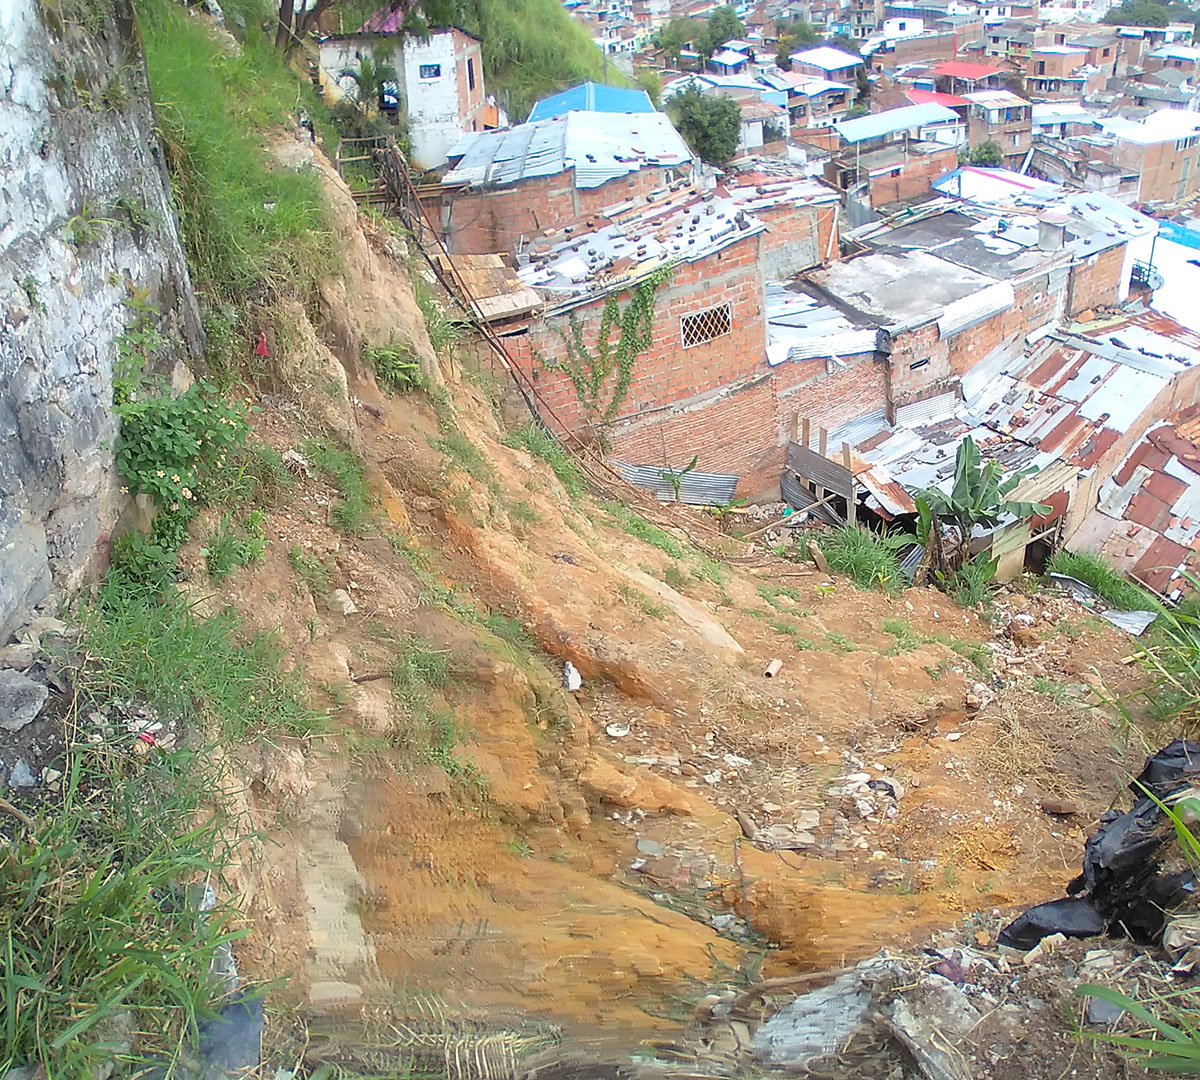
(601, 374)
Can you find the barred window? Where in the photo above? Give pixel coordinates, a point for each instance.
(431, 71)
(705, 325)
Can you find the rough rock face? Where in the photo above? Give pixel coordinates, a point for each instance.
(85, 228)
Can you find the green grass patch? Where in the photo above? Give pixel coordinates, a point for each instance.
(771, 593)
(230, 547)
(675, 577)
(909, 638)
(539, 443)
(252, 474)
(159, 649)
(841, 641)
(465, 455)
(867, 558)
(355, 511)
(100, 932)
(522, 513)
(395, 365)
(310, 569)
(1116, 590)
(247, 222)
(641, 529)
(1056, 691)
(640, 600)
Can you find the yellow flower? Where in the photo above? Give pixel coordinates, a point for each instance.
(160, 474)
(124, 490)
(175, 478)
(174, 506)
(186, 492)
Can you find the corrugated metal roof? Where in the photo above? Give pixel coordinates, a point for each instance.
(799, 328)
(893, 121)
(958, 315)
(927, 97)
(958, 69)
(592, 97)
(827, 58)
(695, 488)
(600, 146)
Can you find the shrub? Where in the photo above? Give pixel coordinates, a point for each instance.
(395, 366)
(867, 558)
(1114, 588)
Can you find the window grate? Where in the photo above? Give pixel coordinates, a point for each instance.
(431, 71)
(705, 325)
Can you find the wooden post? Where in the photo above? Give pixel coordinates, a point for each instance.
(806, 430)
(823, 435)
(852, 502)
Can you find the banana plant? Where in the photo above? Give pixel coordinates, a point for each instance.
(979, 497)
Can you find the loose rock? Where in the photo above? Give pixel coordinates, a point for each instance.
(21, 699)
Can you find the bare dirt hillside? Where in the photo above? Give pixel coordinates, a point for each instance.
(600, 859)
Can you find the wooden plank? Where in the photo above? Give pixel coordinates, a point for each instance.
(852, 502)
(823, 435)
(806, 437)
(828, 474)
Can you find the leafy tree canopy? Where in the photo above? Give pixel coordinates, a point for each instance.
(676, 36)
(1138, 13)
(723, 24)
(987, 153)
(709, 123)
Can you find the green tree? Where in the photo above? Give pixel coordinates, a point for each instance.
(783, 52)
(369, 79)
(710, 124)
(676, 36)
(1138, 13)
(650, 81)
(723, 25)
(803, 34)
(987, 153)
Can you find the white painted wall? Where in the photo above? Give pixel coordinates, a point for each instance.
(434, 125)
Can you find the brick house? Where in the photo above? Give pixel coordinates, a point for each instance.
(1183, 58)
(1162, 151)
(961, 78)
(897, 154)
(811, 102)
(826, 62)
(507, 187)
(702, 387)
(944, 289)
(1000, 116)
(1059, 72)
(440, 81)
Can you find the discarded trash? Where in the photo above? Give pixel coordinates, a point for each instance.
(772, 669)
(1076, 589)
(1132, 622)
(571, 679)
(616, 730)
(1103, 1013)
(1069, 916)
(1127, 884)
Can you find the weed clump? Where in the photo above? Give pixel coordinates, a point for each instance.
(869, 559)
(1112, 586)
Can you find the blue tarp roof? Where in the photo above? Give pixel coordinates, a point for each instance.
(592, 97)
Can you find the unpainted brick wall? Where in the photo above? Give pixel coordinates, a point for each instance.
(496, 220)
(667, 372)
(1097, 279)
(915, 178)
